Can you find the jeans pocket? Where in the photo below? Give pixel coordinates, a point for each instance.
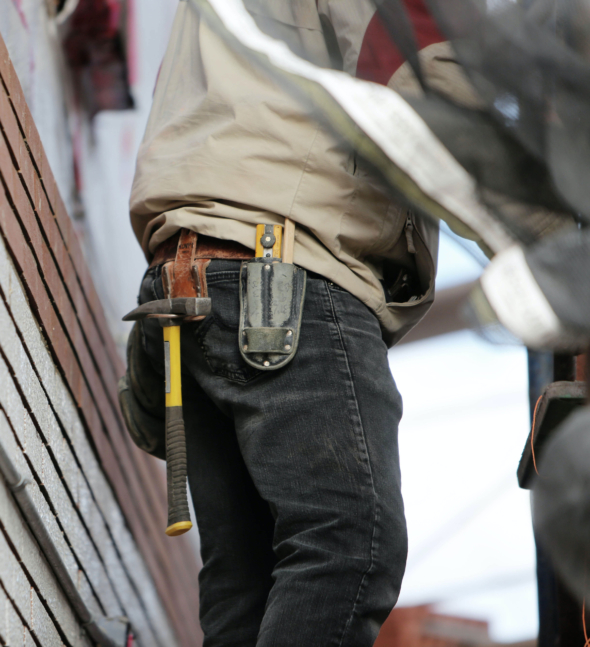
(151, 286)
(336, 288)
(218, 334)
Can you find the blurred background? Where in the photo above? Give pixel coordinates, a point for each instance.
(466, 419)
(88, 70)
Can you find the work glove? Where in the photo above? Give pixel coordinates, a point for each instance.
(142, 398)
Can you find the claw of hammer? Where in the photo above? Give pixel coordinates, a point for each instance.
(181, 307)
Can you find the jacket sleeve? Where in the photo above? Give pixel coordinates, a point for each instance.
(366, 48)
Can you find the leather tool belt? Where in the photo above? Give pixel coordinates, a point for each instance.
(272, 292)
(185, 257)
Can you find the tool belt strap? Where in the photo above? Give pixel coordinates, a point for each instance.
(185, 257)
(206, 247)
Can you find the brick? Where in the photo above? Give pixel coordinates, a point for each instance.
(55, 532)
(11, 80)
(34, 563)
(13, 523)
(30, 384)
(113, 566)
(63, 507)
(87, 594)
(9, 124)
(4, 270)
(23, 542)
(19, 248)
(8, 442)
(29, 642)
(32, 443)
(41, 625)
(71, 473)
(13, 578)
(15, 630)
(99, 403)
(55, 286)
(65, 408)
(18, 102)
(35, 189)
(19, 197)
(46, 173)
(32, 137)
(10, 402)
(101, 538)
(85, 551)
(42, 206)
(66, 229)
(3, 617)
(10, 445)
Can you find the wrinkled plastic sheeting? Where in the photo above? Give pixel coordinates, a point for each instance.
(561, 501)
(510, 170)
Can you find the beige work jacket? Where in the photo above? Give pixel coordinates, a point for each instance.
(226, 148)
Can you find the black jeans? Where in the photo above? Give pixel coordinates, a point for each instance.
(294, 473)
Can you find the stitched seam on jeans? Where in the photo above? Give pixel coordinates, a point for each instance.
(224, 276)
(375, 516)
(233, 376)
(238, 377)
(153, 290)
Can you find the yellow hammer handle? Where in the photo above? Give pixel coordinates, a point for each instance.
(173, 379)
(176, 461)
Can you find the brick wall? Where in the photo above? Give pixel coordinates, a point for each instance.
(103, 501)
(420, 626)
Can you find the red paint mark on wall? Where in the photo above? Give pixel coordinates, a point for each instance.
(18, 4)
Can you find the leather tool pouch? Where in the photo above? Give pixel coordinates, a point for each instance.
(271, 306)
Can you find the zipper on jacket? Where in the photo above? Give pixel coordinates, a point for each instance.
(409, 229)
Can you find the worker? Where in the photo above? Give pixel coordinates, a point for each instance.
(294, 472)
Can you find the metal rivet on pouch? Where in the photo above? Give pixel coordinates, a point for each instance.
(289, 333)
(245, 346)
(287, 347)
(267, 363)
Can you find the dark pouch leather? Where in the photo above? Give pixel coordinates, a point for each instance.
(271, 307)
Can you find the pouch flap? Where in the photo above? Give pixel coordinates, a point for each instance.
(271, 306)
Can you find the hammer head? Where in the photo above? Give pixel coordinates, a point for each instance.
(174, 308)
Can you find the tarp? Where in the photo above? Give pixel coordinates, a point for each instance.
(528, 140)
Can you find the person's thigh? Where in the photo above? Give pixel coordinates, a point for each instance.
(234, 522)
(235, 527)
(319, 439)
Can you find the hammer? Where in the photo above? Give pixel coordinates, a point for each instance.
(171, 313)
